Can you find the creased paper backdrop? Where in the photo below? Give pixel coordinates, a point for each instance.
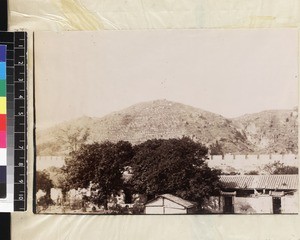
(66, 15)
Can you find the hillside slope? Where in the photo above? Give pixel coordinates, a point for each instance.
(166, 119)
(274, 131)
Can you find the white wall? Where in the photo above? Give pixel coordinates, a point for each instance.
(164, 210)
(175, 211)
(289, 204)
(260, 204)
(154, 210)
(44, 162)
(170, 204)
(56, 194)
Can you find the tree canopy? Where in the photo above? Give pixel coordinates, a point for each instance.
(175, 166)
(100, 164)
(43, 181)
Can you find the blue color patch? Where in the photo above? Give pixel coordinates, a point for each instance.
(2, 70)
(2, 53)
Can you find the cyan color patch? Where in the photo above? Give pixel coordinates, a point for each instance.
(2, 70)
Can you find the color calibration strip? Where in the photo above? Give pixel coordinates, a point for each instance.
(16, 121)
(3, 102)
(18, 108)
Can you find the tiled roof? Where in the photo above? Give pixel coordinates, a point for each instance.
(178, 200)
(281, 182)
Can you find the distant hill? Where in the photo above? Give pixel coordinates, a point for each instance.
(274, 131)
(267, 132)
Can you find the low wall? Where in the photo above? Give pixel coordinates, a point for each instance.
(245, 163)
(261, 157)
(44, 162)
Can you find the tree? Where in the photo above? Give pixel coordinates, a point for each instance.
(286, 170)
(279, 168)
(216, 149)
(101, 165)
(73, 137)
(175, 166)
(44, 183)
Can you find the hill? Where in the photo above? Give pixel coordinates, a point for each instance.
(252, 133)
(274, 131)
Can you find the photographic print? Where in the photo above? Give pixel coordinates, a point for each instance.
(166, 122)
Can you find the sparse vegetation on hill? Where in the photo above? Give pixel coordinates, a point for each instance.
(274, 131)
(265, 132)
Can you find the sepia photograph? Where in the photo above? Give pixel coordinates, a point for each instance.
(166, 122)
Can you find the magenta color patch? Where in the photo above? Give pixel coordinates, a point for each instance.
(2, 139)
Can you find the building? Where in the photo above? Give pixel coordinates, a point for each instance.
(169, 204)
(252, 194)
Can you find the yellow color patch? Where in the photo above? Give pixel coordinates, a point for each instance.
(2, 105)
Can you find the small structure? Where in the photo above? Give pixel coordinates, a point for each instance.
(255, 194)
(169, 204)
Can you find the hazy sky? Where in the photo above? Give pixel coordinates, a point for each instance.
(228, 72)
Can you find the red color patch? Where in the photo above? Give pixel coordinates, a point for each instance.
(2, 122)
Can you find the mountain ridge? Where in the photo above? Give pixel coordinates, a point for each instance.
(248, 134)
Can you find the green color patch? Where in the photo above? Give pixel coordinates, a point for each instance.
(2, 88)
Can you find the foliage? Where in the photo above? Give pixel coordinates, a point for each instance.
(101, 164)
(252, 172)
(279, 168)
(286, 170)
(45, 201)
(229, 170)
(44, 183)
(138, 208)
(231, 173)
(47, 149)
(73, 137)
(216, 149)
(175, 166)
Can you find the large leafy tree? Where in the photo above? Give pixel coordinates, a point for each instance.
(175, 166)
(44, 183)
(100, 164)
